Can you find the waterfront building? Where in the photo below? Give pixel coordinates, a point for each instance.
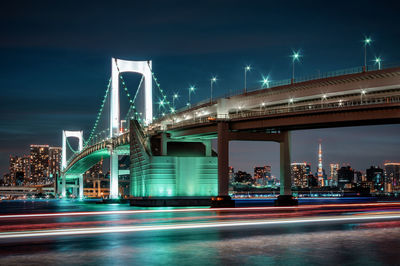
(54, 163)
(334, 174)
(39, 158)
(19, 168)
(345, 177)
(376, 177)
(260, 175)
(299, 175)
(392, 176)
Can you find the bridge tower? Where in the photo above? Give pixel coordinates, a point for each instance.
(119, 66)
(70, 134)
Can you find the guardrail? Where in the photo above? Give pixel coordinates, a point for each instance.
(291, 108)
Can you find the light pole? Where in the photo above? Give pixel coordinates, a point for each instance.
(363, 92)
(367, 41)
(247, 68)
(175, 96)
(295, 56)
(213, 80)
(191, 88)
(378, 61)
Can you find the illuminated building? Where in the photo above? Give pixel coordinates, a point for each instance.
(54, 162)
(39, 163)
(375, 176)
(334, 174)
(260, 175)
(392, 176)
(345, 177)
(19, 170)
(299, 174)
(320, 173)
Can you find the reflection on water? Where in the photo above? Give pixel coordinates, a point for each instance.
(291, 245)
(375, 243)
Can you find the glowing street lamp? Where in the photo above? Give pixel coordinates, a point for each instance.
(295, 56)
(367, 41)
(175, 96)
(213, 80)
(191, 89)
(378, 61)
(247, 68)
(363, 92)
(265, 82)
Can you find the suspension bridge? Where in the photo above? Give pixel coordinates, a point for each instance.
(171, 155)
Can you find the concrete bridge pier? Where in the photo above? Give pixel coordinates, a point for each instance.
(81, 187)
(285, 198)
(63, 185)
(223, 199)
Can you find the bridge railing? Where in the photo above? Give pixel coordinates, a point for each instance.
(291, 108)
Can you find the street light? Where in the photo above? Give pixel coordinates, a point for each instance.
(363, 92)
(265, 81)
(175, 96)
(191, 89)
(213, 80)
(295, 56)
(247, 68)
(378, 61)
(367, 41)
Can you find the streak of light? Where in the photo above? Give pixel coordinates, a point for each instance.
(125, 229)
(8, 216)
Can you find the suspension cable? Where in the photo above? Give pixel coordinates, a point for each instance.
(98, 114)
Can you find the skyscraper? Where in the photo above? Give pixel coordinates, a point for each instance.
(19, 170)
(39, 158)
(334, 174)
(260, 175)
(54, 162)
(299, 174)
(345, 177)
(392, 176)
(376, 178)
(320, 173)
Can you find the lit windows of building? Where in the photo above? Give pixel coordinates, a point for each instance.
(299, 174)
(392, 177)
(39, 157)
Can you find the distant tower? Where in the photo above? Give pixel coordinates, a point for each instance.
(320, 172)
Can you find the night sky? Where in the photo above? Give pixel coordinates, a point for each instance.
(55, 64)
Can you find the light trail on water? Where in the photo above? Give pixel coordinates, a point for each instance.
(265, 222)
(8, 216)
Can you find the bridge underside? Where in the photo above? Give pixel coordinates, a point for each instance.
(335, 117)
(86, 163)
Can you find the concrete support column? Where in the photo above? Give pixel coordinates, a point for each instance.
(164, 145)
(285, 178)
(75, 188)
(113, 175)
(63, 185)
(80, 186)
(223, 159)
(207, 144)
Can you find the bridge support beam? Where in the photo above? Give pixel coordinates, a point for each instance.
(285, 198)
(114, 175)
(223, 159)
(81, 187)
(63, 186)
(223, 199)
